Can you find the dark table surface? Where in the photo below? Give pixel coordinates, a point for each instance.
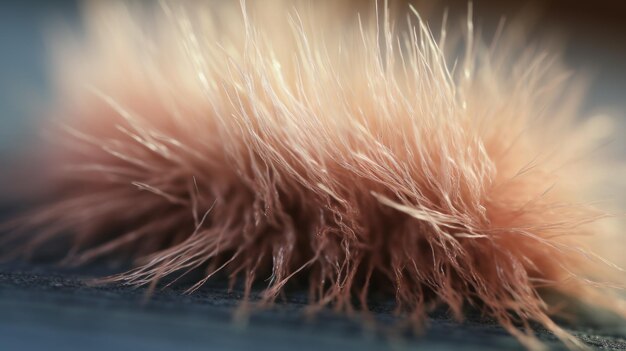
(54, 309)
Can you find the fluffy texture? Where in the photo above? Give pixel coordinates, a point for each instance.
(305, 142)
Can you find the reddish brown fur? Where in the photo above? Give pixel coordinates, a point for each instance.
(275, 143)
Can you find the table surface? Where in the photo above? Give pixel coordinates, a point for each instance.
(55, 309)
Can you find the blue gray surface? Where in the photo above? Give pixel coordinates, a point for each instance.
(51, 309)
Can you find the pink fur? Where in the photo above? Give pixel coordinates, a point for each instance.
(277, 142)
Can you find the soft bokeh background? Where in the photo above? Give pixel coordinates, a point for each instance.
(593, 34)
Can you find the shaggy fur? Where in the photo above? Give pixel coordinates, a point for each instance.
(275, 142)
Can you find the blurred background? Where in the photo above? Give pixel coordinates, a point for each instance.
(593, 34)
(44, 310)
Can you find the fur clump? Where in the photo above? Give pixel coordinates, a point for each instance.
(355, 152)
